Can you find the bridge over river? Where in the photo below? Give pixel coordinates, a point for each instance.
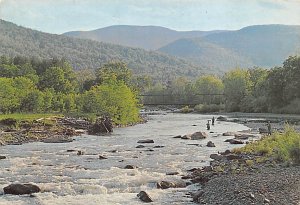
(182, 100)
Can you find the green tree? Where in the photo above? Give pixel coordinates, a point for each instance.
(69, 102)
(113, 98)
(212, 87)
(114, 70)
(236, 87)
(256, 98)
(9, 101)
(33, 102)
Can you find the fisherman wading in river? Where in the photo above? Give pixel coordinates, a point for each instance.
(208, 125)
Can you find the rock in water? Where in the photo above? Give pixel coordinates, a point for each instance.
(143, 196)
(2, 157)
(102, 125)
(167, 185)
(198, 135)
(102, 157)
(210, 144)
(216, 157)
(221, 118)
(234, 141)
(195, 136)
(130, 167)
(145, 141)
(178, 136)
(20, 189)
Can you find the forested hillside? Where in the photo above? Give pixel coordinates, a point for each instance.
(19, 41)
(263, 45)
(146, 37)
(208, 54)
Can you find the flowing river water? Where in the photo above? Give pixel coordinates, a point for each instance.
(68, 178)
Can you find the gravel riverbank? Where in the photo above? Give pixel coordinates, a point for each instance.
(264, 185)
(241, 179)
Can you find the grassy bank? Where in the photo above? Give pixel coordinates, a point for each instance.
(28, 116)
(283, 147)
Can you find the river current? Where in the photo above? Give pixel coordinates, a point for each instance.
(67, 178)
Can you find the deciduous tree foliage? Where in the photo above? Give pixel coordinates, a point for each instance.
(51, 85)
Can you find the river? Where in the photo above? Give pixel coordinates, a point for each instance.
(68, 178)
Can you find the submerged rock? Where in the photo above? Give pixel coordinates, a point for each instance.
(229, 133)
(20, 189)
(234, 141)
(145, 141)
(172, 173)
(158, 146)
(2, 157)
(143, 196)
(130, 167)
(178, 136)
(102, 157)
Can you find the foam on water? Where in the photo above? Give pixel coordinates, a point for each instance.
(66, 178)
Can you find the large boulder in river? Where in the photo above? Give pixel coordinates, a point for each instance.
(20, 189)
(199, 135)
(195, 136)
(167, 185)
(102, 125)
(143, 196)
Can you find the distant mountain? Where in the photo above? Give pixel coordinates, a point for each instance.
(16, 40)
(146, 37)
(207, 54)
(261, 45)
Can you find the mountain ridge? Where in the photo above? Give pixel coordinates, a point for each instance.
(146, 37)
(258, 45)
(83, 53)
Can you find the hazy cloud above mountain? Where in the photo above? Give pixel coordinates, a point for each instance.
(58, 16)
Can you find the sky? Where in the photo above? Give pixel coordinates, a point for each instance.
(59, 16)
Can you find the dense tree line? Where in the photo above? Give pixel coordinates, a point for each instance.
(245, 90)
(32, 85)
